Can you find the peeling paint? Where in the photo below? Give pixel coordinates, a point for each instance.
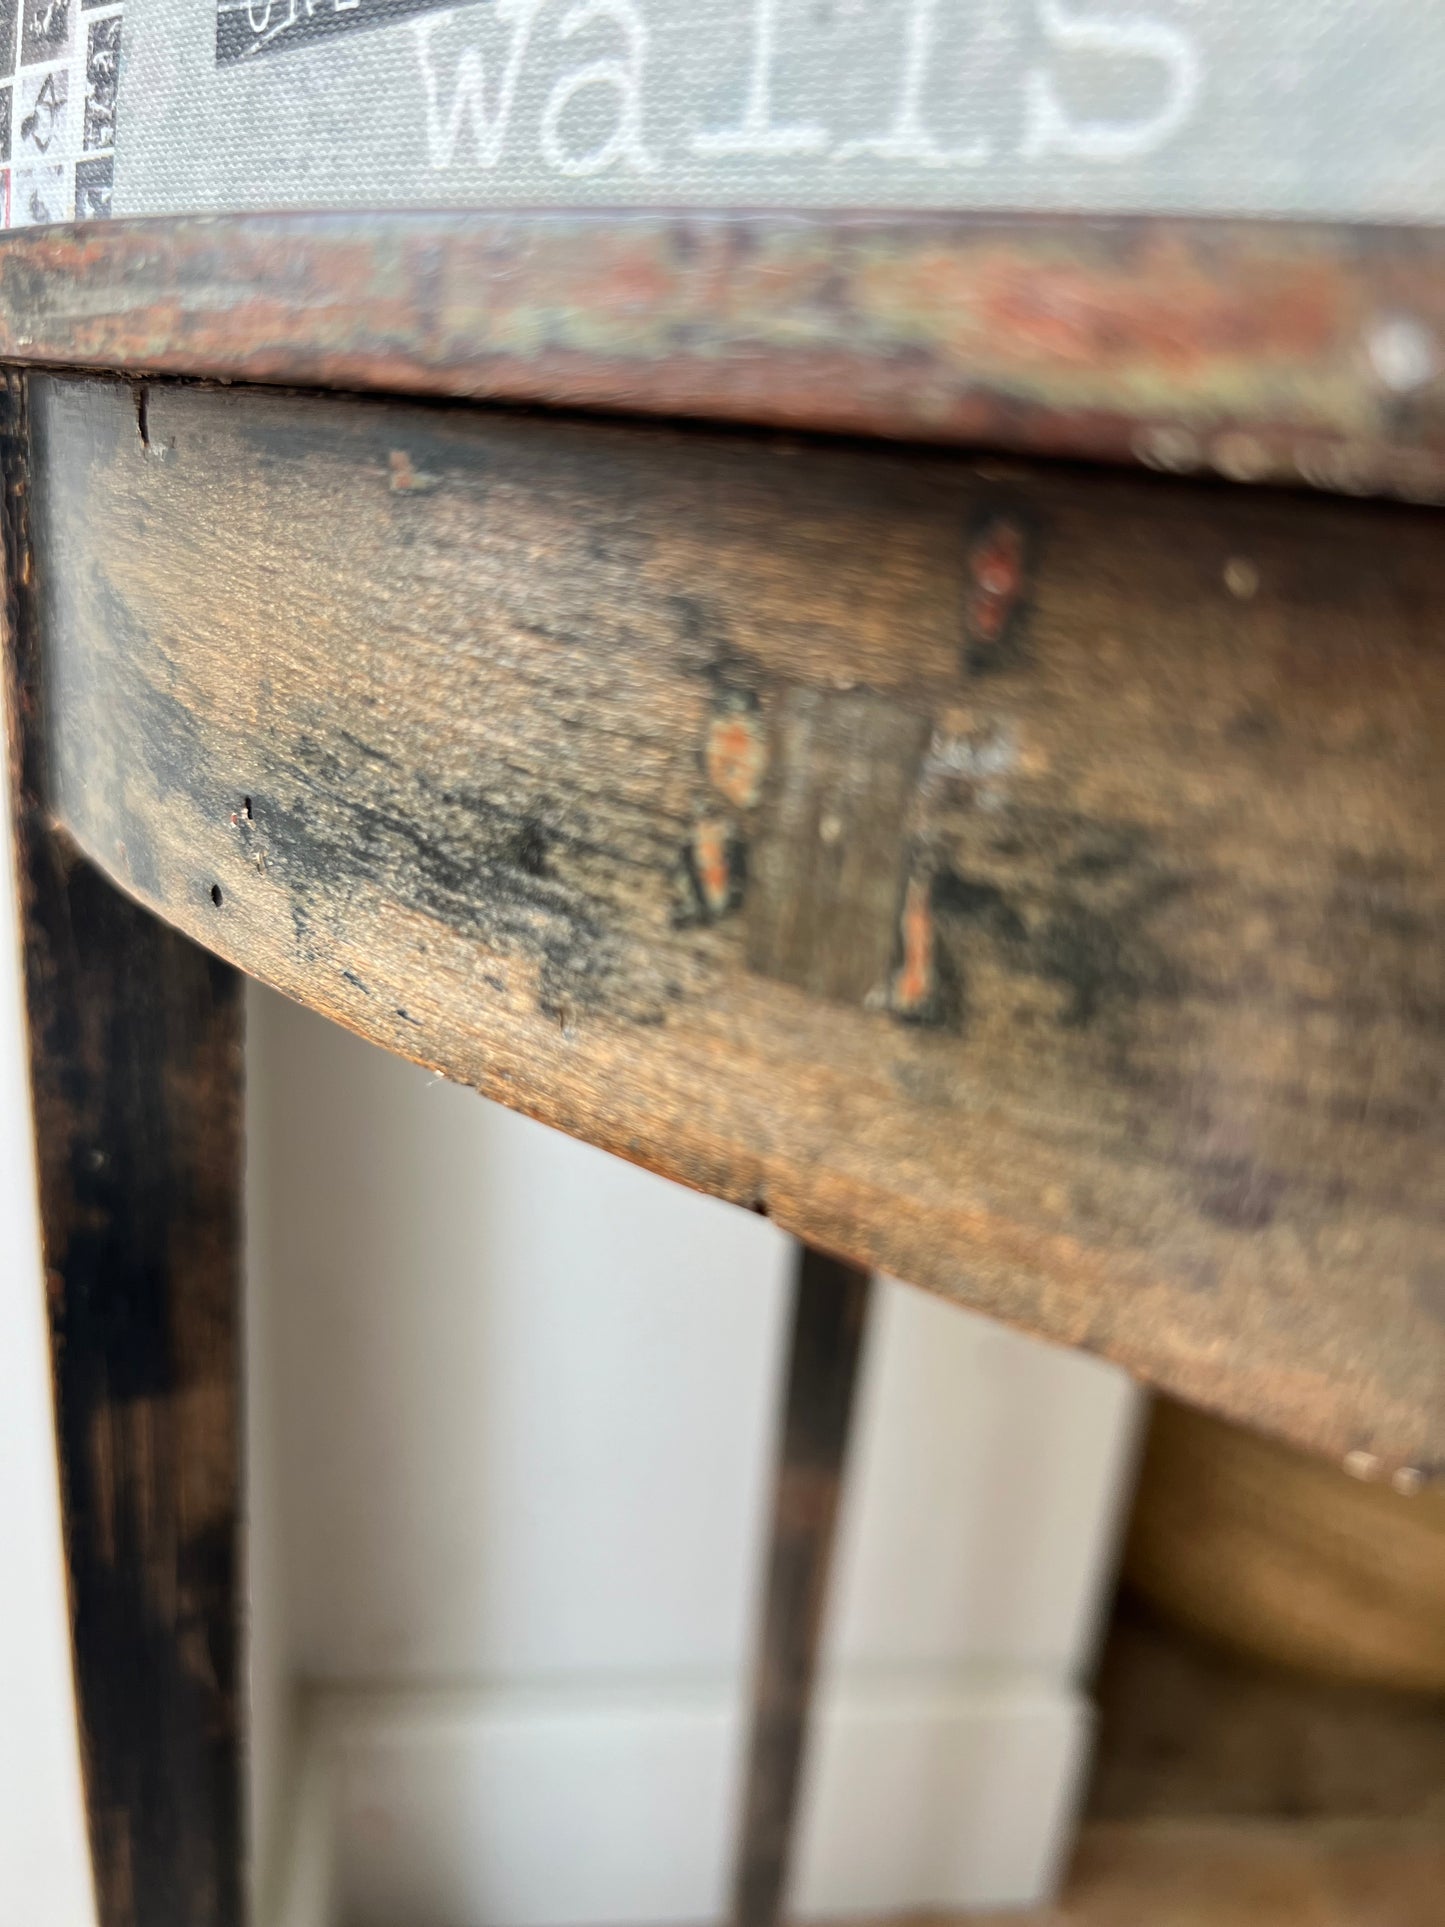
(716, 866)
(736, 755)
(913, 982)
(405, 478)
(994, 591)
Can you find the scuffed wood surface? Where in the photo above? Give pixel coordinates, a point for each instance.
(1258, 350)
(135, 1055)
(1028, 883)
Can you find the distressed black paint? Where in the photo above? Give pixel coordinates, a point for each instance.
(1174, 991)
(135, 1066)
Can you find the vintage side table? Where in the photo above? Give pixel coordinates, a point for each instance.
(807, 704)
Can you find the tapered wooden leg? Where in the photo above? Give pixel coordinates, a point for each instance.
(829, 1317)
(135, 1053)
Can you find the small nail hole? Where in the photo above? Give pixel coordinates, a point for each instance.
(216, 895)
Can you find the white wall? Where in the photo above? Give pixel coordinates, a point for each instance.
(44, 1864)
(524, 1406)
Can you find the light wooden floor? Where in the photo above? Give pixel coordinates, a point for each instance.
(1230, 1873)
(1227, 1793)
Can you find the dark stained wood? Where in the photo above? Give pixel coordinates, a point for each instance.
(135, 1040)
(823, 885)
(489, 739)
(830, 1309)
(1254, 350)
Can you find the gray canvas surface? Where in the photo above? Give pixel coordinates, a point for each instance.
(1291, 107)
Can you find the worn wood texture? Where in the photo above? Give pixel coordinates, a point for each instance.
(830, 1309)
(1264, 350)
(135, 1056)
(508, 743)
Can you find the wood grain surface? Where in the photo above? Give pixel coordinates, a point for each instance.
(1257, 350)
(1026, 882)
(135, 1056)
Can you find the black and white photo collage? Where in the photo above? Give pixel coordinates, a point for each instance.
(59, 63)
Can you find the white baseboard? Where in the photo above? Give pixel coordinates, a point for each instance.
(301, 1892)
(939, 1793)
(578, 1808)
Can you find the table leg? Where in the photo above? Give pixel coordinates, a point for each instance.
(135, 1056)
(829, 1318)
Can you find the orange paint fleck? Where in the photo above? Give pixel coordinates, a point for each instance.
(711, 865)
(913, 984)
(996, 580)
(405, 478)
(736, 758)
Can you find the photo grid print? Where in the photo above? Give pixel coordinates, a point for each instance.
(59, 64)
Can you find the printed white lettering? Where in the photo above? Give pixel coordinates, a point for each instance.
(1048, 126)
(469, 97)
(624, 77)
(757, 133)
(908, 139)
